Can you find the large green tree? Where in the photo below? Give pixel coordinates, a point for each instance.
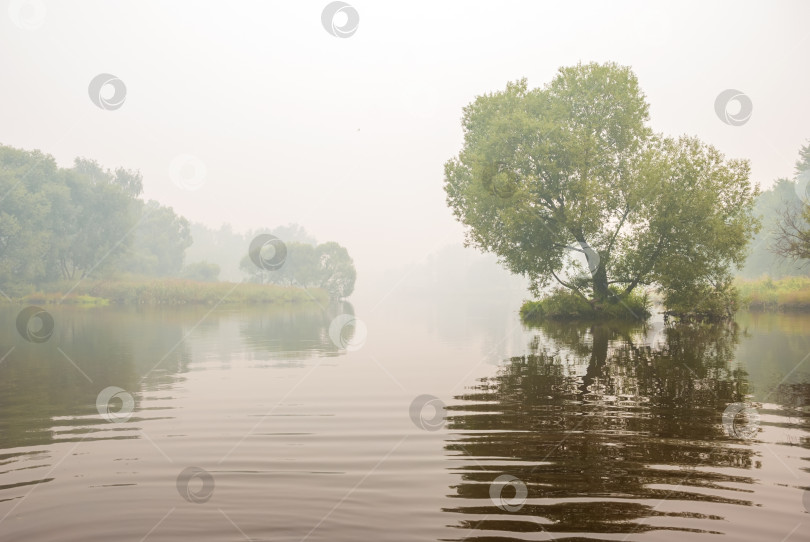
(85, 220)
(61, 222)
(93, 227)
(573, 169)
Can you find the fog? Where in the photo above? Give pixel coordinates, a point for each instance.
(236, 300)
(286, 123)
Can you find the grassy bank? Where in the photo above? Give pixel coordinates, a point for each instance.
(170, 292)
(564, 305)
(766, 294)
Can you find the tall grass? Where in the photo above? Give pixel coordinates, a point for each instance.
(766, 294)
(172, 292)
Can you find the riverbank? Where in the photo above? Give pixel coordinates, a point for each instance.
(169, 292)
(790, 294)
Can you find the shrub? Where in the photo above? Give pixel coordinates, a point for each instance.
(567, 305)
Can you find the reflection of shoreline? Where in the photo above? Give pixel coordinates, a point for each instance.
(109, 373)
(774, 351)
(596, 413)
(48, 391)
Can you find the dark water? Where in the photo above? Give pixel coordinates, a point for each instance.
(258, 424)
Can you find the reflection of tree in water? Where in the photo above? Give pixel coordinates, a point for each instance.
(594, 413)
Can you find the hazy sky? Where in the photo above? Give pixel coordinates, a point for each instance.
(348, 136)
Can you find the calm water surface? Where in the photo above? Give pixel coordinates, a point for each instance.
(560, 432)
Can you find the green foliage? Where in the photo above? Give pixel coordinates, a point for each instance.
(160, 239)
(565, 304)
(803, 162)
(704, 301)
(336, 273)
(61, 222)
(26, 221)
(573, 167)
(327, 266)
(95, 222)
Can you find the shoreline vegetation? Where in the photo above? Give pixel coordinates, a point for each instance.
(788, 294)
(168, 291)
(565, 305)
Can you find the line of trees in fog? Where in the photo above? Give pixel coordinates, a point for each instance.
(86, 221)
(326, 266)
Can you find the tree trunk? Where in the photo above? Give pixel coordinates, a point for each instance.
(600, 284)
(598, 273)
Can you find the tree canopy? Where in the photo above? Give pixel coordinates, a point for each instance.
(573, 167)
(62, 223)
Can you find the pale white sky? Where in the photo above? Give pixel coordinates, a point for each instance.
(348, 136)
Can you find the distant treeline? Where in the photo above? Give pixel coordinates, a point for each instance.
(62, 224)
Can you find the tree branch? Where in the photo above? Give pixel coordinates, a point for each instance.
(793, 235)
(618, 229)
(571, 287)
(653, 259)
